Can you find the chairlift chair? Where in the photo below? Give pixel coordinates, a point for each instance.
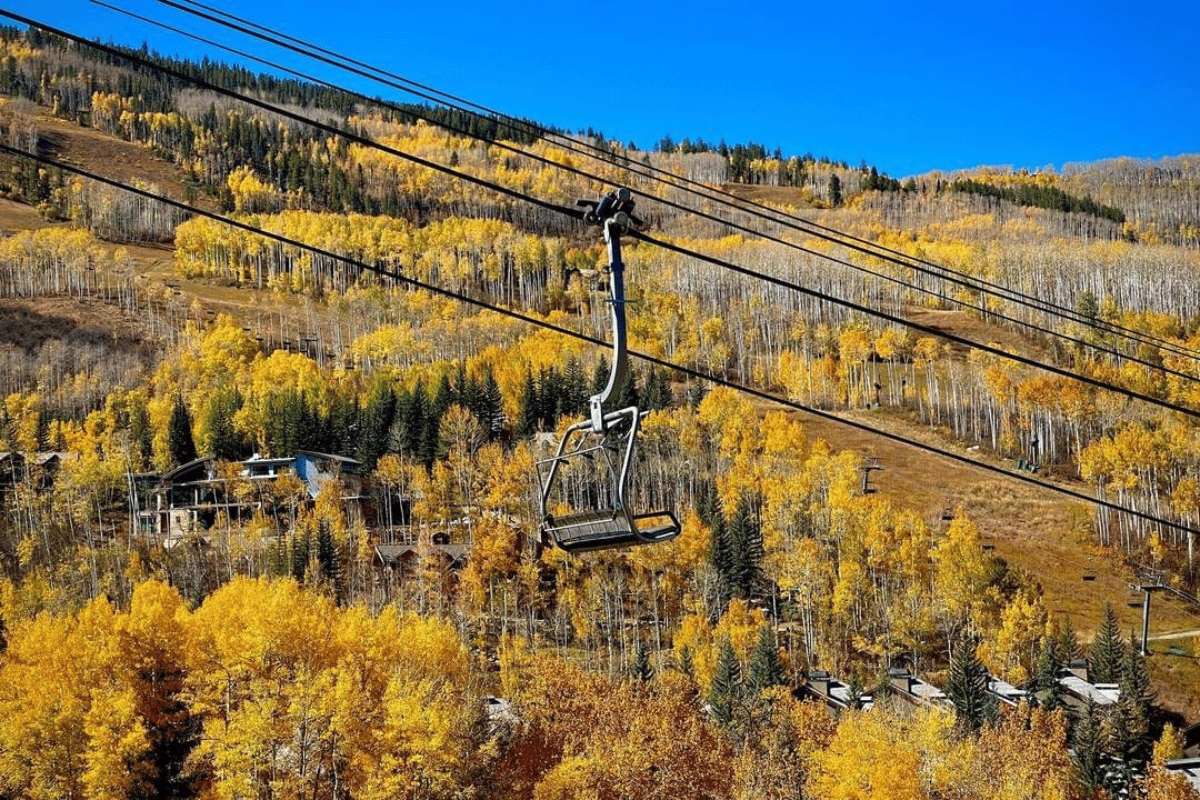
(585, 486)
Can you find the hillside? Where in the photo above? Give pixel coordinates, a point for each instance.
(181, 376)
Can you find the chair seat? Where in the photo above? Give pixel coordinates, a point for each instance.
(606, 529)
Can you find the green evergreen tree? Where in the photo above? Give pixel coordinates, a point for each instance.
(443, 398)
(345, 427)
(745, 550)
(687, 662)
(490, 405)
(1088, 307)
(1069, 648)
(300, 554)
(141, 435)
(835, 191)
(766, 668)
(395, 434)
(967, 688)
(721, 556)
(628, 393)
(575, 394)
(708, 503)
(658, 390)
(1045, 689)
(222, 440)
(643, 670)
(180, 444)
(280, 563)
(1131, 731)
(44, 418)
(314, 430)
(550, 393)
(1107, 651)
(431, 443)
(727, 690)
(1087, 747)
(464, 389)
(282, 423)
(378, 413)
(415, 415)
(600, 374)
(527, 417)
(328, 559)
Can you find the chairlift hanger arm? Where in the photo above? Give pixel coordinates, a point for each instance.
(614, 212)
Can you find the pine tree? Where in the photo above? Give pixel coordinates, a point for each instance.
(727, 688)
(345, 427)
(527, 419)
(1087, 743)
(721, 555)
(1107, 651)
(280, 563)
(658, 390)
(1068, 642)
(282, 423)
(44, 418)
(180, 444)
(464, 389)
(575, 395)
(1045, 689)
(642, 668)
(491, 405)
(745, 550)
(687, 662)
(314, 430)
(328, 559)
(1088, 307)
(223, 441)
(600, 374)
(627, 393)
(708, 503)
(431, 442)
(1130, 731)
(415, 414)
(835, 191)
(967, 688)
(395, 434)
(766, 668)
(140, 434)
(443, 398)
(378, 413)
(300, 550)
(549, 398)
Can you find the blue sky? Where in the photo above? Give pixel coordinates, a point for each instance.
(943, 86)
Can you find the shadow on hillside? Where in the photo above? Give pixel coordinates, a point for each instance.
(29, 330)
(51, 144)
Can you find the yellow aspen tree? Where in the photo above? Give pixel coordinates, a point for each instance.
(869, 757)
(961, 572)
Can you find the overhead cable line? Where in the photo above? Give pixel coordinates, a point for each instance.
(574, 213)
(541, 323)
(857, 244)
(715, 194)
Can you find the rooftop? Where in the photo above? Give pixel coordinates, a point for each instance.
(1103, 694)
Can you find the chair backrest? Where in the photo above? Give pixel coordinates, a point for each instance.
(584, 489)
